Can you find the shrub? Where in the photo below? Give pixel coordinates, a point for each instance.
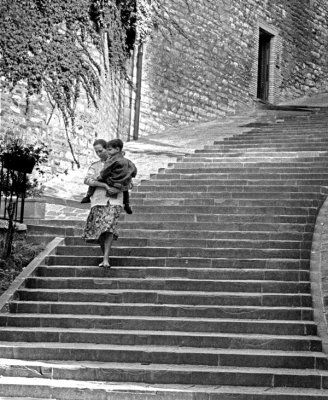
(22, 254)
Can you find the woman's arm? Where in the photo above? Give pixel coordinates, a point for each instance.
(91, 178)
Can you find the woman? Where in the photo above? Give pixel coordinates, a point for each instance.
(101, 225)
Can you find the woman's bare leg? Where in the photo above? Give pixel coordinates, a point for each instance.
(102, 244)
(108, 240)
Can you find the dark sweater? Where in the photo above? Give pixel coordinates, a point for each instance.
(118, 172)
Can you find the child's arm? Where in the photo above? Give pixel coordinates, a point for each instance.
(92, 180)
(135, 171)
(107, 170)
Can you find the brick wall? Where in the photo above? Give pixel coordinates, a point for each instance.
(213, 71)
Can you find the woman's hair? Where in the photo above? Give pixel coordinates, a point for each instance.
(100, 142)
(115, 144)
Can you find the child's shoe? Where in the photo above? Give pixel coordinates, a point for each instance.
(127, 208)
(86, 199)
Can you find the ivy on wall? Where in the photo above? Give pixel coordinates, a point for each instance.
(51, 45)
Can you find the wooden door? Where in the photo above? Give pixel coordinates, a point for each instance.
(264, 66)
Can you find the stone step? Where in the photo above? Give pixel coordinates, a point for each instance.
(232, 252)
(290, 138)
(215, 190)
(215, 235)
(230, 202)
(248, 194)
(168, 297)
(219, 209)
(20, 398)
(40, 239)
(168, 284)
(186, 262)
(181, 234)
(165, 310)
(295, 159)
(288, 132)
(299, 129)
(55, 230)
(156, 338)
(240, 174)
(269, 143)
(274, 134)
(171, 272)
(292, 164)
(261, 384)
(146, 219)
(200, 243)
(197, 184)
(212, 168)
(259, 135)
(203, 226)
(258, 155)
(265, 148)
(162, 323)
(163, 355)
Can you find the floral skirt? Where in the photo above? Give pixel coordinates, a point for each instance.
(100, 220)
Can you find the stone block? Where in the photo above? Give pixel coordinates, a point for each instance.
(35, 208)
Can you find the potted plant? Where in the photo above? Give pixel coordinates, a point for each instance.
(19, 159)
(19, 156)
(18, 162)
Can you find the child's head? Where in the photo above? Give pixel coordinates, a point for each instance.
(114, 146)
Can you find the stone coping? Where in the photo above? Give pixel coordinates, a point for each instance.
(57, 200)
(9, 294)
(319, 273)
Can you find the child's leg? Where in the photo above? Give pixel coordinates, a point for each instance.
(126, 202)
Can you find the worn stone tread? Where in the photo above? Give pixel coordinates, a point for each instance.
(164, 333)
(83, 390)
(164, 292)
(74, 365)
(159, 349)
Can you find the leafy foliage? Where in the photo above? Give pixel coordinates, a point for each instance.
(14, 145)
(22, 254)
(53, 45)
(62, 47)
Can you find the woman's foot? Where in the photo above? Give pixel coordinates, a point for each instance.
(104, 264)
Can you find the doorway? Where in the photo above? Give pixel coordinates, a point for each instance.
(263, 80)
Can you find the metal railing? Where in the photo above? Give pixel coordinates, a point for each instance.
(12, 194)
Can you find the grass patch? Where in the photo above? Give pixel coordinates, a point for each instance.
(22, 254)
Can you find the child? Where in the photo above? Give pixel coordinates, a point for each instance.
(118, 172)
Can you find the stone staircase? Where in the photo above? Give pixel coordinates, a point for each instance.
(209, 295)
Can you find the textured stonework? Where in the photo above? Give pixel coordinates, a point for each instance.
(213, 71)
(209, 72)
(45, 124)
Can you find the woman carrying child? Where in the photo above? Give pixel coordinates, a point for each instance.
(106, 203)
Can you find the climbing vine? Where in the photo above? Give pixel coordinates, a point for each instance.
(54, 46)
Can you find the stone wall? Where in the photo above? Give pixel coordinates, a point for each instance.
(207, 72)
(212, 71)
(43, 123)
